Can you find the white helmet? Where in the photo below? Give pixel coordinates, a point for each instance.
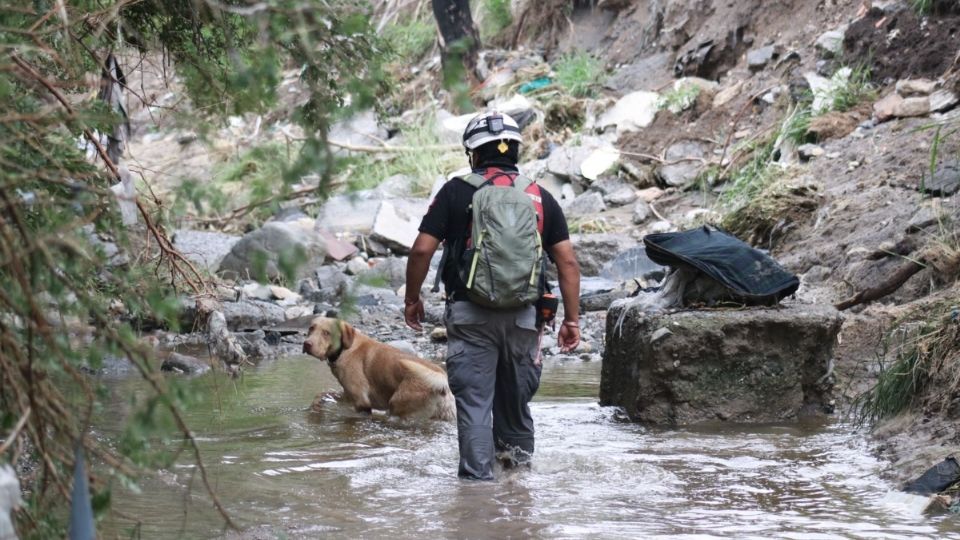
(490, 126)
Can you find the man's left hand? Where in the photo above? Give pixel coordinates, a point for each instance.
(413, 314)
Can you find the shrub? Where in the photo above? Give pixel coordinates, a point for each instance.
(579, 73)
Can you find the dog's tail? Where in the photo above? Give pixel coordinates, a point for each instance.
(445, 407)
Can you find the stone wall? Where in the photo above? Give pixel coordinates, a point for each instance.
(750, 365)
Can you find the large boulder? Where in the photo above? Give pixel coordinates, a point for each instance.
(204, 248)
(754, 365)
(272, 248)
(595, 250)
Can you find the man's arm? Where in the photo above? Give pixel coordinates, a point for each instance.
(568, 271)
(418, 264)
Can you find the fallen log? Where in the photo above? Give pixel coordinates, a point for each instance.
(890, 285)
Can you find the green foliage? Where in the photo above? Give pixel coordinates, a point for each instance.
(679, 99)
(923, 7)
(410, 41)
(760, 170)
(854, 90)
(424, 159)
(579, 73)
(67, 261)
(495, 17)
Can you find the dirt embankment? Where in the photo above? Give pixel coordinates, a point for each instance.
(867, 213)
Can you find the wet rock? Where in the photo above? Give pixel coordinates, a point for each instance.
(830, 43)
(204, 248)
(632, 112)
(633, 263)
(586, 204)
(181, 363)
(687, 155)
(756, 365)
(942, 100)
(395, 228)
(913, 106)
(886, 108)
(595, 250)
(945, 181)
(915, 87)
(600, 300)
(272, 247)
(757, 59)
(252, 315)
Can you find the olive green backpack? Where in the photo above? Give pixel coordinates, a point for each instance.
(502, 264)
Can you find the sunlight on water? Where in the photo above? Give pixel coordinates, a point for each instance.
(285, 472)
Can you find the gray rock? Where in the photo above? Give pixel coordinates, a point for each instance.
(641, 212)
(660, 226)
(916, 87)
(362, 129)
(392, 270)
(682, 174)
(809, 151)
(330, 277)
(357, 266)
(404, 346)
(756, 365)
(942, 100)
(271, 248)
(945, 181)
(204, 248)
(346, 213)
(181, 363)
(585, 205)
(649, 72)
(757, 59)
(924, 217)
(912, 106)
(633, 263)
(252, 315)
(565, 161)
(621, 196)
(395, 187)
(632, 112)
(595, 250)
(600, 301)
(830, 43)
(395, 228)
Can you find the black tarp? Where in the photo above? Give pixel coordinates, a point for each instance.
(751, 275)
(936, 479)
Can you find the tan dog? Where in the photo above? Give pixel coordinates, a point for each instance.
(377, 376)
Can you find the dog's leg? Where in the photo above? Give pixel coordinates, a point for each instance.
(412, 398)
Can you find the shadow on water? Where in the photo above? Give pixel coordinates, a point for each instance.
(286, 472)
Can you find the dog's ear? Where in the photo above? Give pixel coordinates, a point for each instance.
(346, 335)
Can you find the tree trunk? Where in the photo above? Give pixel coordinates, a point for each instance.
(459, 39)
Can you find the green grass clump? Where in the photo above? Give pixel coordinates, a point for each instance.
(411, 40)
(494, 17)
(579, 73)
(750, 180)
(679, 99)
(425, 160)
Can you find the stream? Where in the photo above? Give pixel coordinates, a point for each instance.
(285, 472)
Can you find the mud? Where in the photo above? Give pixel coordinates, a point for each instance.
(902, 45)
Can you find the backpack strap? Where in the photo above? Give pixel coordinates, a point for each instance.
(474, 180)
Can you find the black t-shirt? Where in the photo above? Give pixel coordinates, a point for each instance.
(448, 219)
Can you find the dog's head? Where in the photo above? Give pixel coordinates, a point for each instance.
(327, 338)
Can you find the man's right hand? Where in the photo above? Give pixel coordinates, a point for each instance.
(413, 314)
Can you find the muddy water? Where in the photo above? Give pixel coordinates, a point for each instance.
(287, 473)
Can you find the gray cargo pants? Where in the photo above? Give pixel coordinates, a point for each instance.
(491, 365)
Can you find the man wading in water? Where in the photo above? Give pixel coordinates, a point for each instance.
(495, 225)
